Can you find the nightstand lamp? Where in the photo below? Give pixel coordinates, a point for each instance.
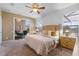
(67, 32)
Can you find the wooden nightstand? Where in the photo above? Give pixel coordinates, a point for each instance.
(67, 42)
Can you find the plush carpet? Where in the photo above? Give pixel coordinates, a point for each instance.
(19, 48)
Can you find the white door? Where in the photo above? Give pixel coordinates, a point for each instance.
(0, 30)
(13, 29)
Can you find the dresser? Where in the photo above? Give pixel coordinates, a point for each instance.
(67, 42)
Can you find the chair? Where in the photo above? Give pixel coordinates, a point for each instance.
(25, 32)
(19, 35)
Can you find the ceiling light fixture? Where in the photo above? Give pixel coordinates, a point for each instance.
(35, 10)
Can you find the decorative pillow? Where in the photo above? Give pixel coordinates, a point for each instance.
(45, 32)
(53, 33)
(49, 33)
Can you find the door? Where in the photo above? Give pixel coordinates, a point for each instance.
(13, 29)
(0, 30)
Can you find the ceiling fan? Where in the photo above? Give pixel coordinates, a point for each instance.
(69, 15)
(72, 14)
(67, 18)
(35, 8)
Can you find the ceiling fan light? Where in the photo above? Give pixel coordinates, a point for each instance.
(35, 10)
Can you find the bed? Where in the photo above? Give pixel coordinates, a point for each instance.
(39, 43)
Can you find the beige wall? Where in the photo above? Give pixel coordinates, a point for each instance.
(7, 24)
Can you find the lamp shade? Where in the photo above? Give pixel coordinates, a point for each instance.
(67, 31)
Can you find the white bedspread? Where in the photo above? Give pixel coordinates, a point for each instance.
(39, 43)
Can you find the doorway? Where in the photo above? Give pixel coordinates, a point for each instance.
(20, 27)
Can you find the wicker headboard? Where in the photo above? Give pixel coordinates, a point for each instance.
(52, 28)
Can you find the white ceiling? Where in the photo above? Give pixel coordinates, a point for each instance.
(19, 8)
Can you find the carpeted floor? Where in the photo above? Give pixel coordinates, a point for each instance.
(19, 48)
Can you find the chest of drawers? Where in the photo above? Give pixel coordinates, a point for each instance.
(67, 42)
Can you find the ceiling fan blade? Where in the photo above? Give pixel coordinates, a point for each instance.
(67, 18)
(31, 11)
(28, 6)
(72, 15)
(38, 12)
(41, 8)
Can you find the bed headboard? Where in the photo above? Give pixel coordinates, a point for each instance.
(51, 29)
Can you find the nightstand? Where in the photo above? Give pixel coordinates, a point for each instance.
(67, 42)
